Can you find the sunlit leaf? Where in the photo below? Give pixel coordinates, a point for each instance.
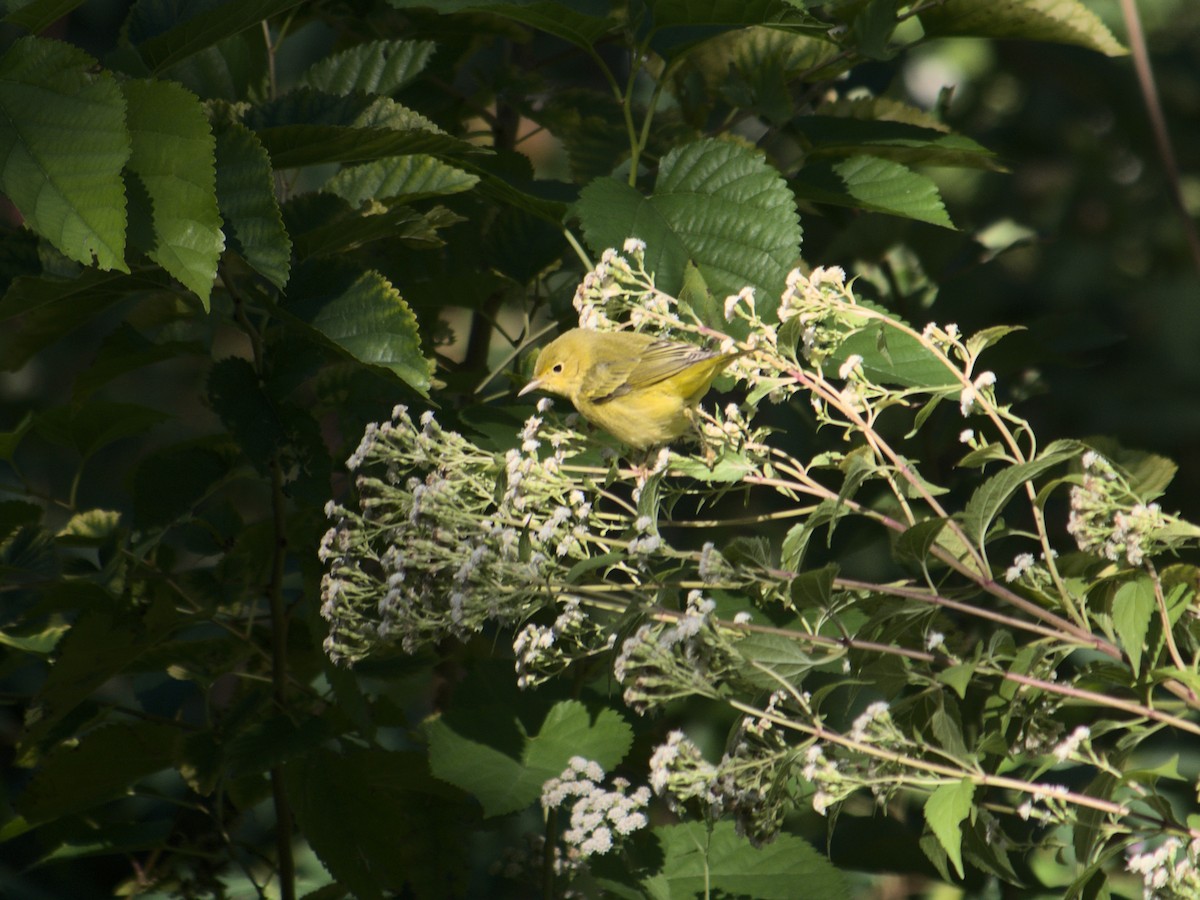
(62, 149)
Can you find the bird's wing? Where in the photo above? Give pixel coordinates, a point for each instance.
(657, 362)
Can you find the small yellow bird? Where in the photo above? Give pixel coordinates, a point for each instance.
(638, 388)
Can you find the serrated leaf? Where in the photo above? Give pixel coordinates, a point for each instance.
(875, 185)
(104, 764)
(89, 528)
(307, 127)
(324, 225)
(229, 70)
(165, 33)
(698, 861)
(506, 178)
(376, 67)
(714, 203)
(361, 314)
(992, 496)
(1133, 606)
(945, 811)
(63, 148)
(900, 142)
(1060, 21)
(38, 15)
(246, 197)
(173, 213)
(379, 823)
(401, 179)
(503, 783)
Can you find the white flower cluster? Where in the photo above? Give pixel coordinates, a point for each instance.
(679, 772)
(599, 817)
(620, 284)
(1171, 871)
(1069, 747)
(1108, 519)
(436, 549)
(543, 651)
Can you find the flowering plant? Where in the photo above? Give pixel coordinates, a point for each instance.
(1015, 670)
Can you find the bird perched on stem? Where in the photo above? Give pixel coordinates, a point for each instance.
(640, 389)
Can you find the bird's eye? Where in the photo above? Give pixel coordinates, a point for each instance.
(557, 367)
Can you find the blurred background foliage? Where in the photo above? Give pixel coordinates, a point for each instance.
(1076, 240)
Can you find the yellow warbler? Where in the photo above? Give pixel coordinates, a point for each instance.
(638, 388)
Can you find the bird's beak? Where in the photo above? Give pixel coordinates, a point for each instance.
(532, 386)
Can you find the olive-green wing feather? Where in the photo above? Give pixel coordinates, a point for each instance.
(658, 362)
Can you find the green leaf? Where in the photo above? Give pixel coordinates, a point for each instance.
(42, 642)
(893, 357)
(698, 862)
(716, 204)
(1133, 606)
(913, 546)
(875, 185)
(38, 15)
(102, 643)
(37, 311)
(958, 677)
(992, 496)
(376, 67)
(89, 528)
(63, 147)
(246, 197)
(361, 314)
(306, 127)
(782, 655)
(1060, 21)
(95, 424)
(900, 142)
(945, 811)
(165, 33)
(173, 214)
(323, 225)
(400, 179)
(101, 767)
(230, 70)
(566, 19)
(109, 839)
(504, 784)
(814, 587)
(377, 822)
